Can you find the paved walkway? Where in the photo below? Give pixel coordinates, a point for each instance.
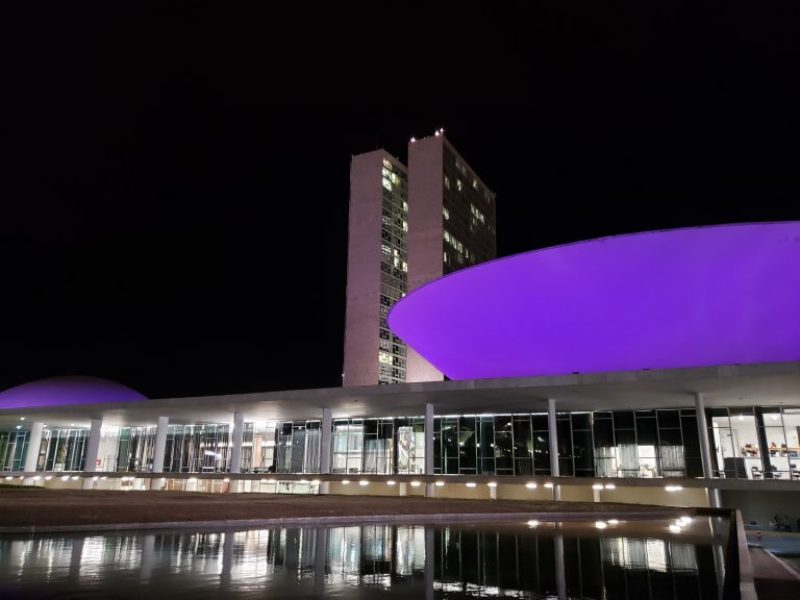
(773, 580)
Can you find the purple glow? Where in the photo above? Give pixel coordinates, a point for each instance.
(728, 294)
(63, 391)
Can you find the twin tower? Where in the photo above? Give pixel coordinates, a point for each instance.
(408, 225)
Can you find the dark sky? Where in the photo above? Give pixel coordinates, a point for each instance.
(175, 182)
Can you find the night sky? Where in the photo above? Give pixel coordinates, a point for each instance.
(175, 181)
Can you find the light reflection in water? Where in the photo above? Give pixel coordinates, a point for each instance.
(462, 561)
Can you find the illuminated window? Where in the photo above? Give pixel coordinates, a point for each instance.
(387, 164)
(459, 185)
(446, 213)
(387, 184)
(447, 182)
(474, 184)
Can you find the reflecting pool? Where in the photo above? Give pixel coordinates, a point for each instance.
(506, 560)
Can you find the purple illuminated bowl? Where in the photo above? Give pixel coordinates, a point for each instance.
(702, 296)
(64, 391)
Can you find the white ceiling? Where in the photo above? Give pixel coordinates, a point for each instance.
(767, 384)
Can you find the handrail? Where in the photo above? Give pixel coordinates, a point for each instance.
(738, 582)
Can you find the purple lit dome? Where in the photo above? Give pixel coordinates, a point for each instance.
(701, 296)
(63, 391)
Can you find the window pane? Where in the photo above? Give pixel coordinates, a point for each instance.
(582, 448)
(523, 441)
(467, 443)
(581, 421)
(668, 418)
(623, 420)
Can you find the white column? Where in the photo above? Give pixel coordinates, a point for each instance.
(429, 486)
(93, 446)
(705, 447)
(160, 445)
(325, 441)
(236, 439)
(553, 430)
(325, 448)
(34, 444)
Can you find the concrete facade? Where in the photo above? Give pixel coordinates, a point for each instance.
(448, 224)
(362, 313)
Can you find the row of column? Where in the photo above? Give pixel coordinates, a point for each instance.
(237, 438)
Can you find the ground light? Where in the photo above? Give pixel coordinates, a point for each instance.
(531, 485)
(600, 524)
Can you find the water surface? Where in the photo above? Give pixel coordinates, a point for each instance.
(508, 560)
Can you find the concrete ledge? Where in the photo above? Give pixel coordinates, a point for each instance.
(747, 586)
(343, 520)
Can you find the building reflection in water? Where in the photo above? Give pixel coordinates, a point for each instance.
(504, 561)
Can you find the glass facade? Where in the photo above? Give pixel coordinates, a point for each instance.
(197, 448)
(759, 442)
(63, 449)
(13, 445)
(379, 446)
(750, 442)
